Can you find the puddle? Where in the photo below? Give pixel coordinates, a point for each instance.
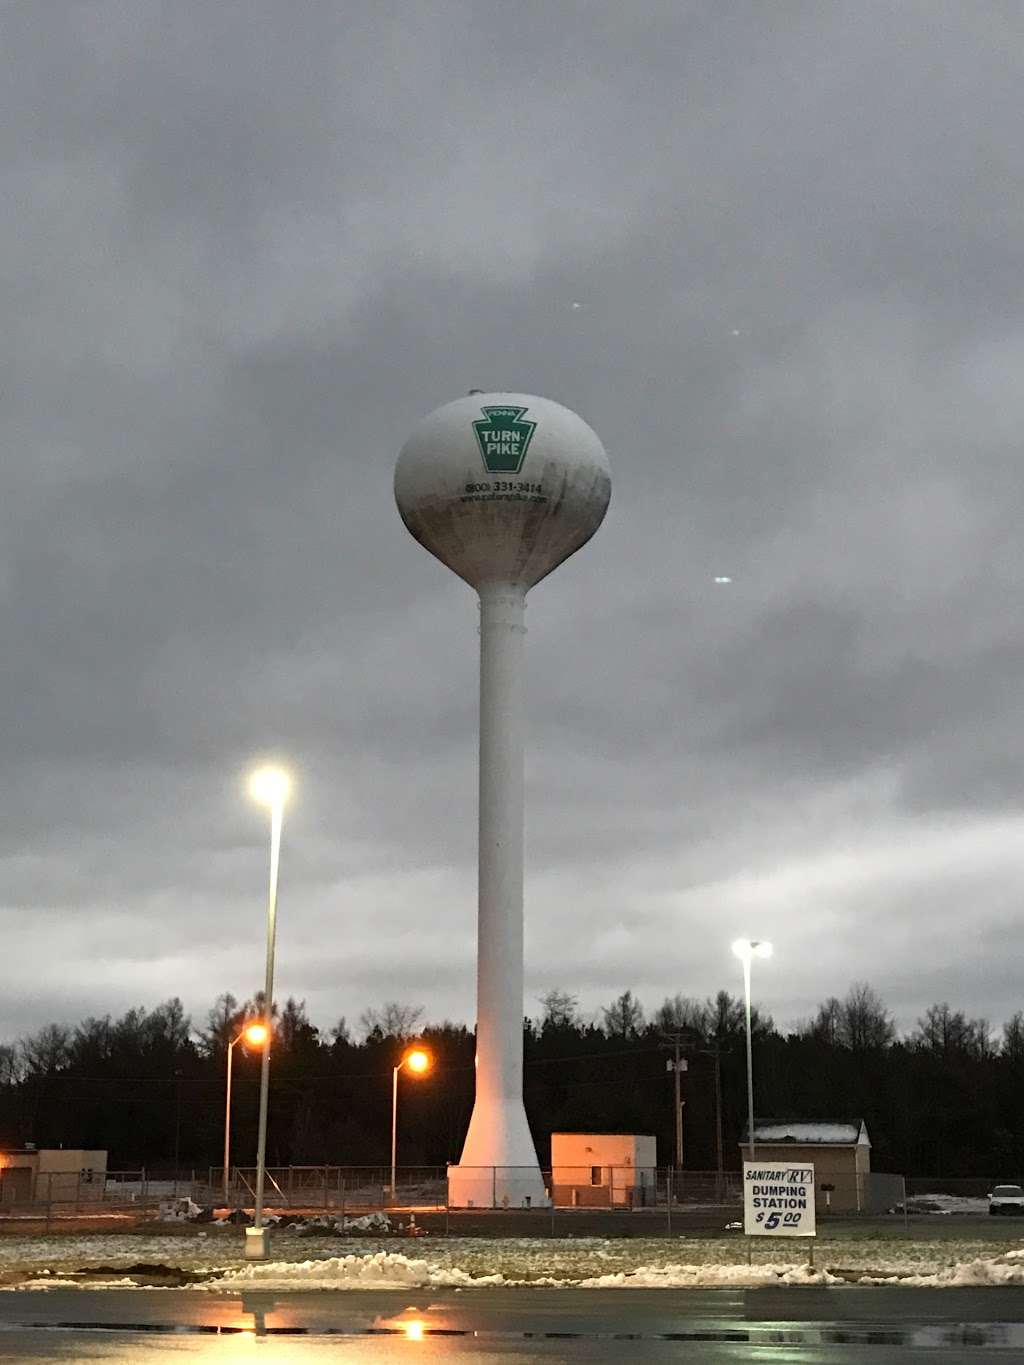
(997, 1335)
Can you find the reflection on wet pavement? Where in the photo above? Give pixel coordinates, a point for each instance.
(933, 1335)
(799, 1325)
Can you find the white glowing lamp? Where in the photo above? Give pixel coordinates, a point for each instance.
(270, 786)
(746, 948)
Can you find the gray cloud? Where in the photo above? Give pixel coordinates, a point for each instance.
(767, 252)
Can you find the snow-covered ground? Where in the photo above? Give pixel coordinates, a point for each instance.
(947, 1203)
(461, 1263)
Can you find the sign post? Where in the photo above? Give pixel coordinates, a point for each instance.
(778, 1201)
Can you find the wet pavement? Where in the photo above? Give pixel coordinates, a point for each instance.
(600, 1327)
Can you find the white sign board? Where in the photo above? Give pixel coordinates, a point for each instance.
(778, 1200)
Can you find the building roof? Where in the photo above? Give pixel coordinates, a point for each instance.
(813, 1134)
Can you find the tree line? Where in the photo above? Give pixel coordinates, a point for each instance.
(945, 1099)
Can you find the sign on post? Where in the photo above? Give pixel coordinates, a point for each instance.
(778, 1200)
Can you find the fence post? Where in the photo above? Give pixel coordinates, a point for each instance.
(906, 1211)
(668, 1200)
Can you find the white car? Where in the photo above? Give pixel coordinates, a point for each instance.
(1006, 1199)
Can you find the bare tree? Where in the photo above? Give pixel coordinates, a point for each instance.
(559, 1010)
(168, 1027)
(222, 1024)
(865, 1023)
(12, 1067)
(45, 1052)
(983, 1045)
(827, 1025)
(624, 1017)
(392, 1020)
(946, 1031)
(92, 1043)
(294, 1029)
(681, 1014)
(1013, 1038)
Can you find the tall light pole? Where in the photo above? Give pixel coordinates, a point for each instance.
(418, 1061)
(270, 787)
(746, 950)
(255, 1035)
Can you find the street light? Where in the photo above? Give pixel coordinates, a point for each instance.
(746, 950)
(270, 787)
(254, 1035)
(418, 1061)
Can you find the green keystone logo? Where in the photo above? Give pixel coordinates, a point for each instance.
(503, 438)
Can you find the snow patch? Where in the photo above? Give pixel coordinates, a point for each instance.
(946, 1203)
(182, 1210)
(710, 1277)
(381, 1270)
(842, 1133)
(966, 1275)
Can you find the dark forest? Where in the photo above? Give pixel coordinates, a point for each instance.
(946, 1099)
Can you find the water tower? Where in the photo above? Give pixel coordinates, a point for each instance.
(501, 487)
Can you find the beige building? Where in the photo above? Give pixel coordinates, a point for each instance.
(603, 1170)
(64, 1174)
(839, 1152)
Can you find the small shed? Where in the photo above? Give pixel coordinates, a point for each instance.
(603, 1170)
(839, 1152)
(60, 1174)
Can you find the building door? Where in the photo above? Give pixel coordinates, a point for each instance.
(15, 1184)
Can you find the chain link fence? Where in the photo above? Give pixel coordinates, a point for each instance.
(360, 1190)
(602, 1199)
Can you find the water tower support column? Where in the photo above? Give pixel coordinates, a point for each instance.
(499, 1163)
(499, 1040)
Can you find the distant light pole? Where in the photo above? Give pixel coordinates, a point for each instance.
(177, 1126)
(270, 787)
(255, 1035)
(419, 1061)
(746, 950)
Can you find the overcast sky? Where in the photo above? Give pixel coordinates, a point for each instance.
(772, 252)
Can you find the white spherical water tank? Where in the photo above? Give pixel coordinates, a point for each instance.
(501, 487)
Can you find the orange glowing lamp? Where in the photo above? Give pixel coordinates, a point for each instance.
(418, 1060)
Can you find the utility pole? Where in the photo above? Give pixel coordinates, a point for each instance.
(679, 1108)
(686, 1042)
(718, 1116)
(715, 1053)
(678, 1065)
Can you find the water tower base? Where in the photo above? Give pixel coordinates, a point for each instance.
(496, 1187)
